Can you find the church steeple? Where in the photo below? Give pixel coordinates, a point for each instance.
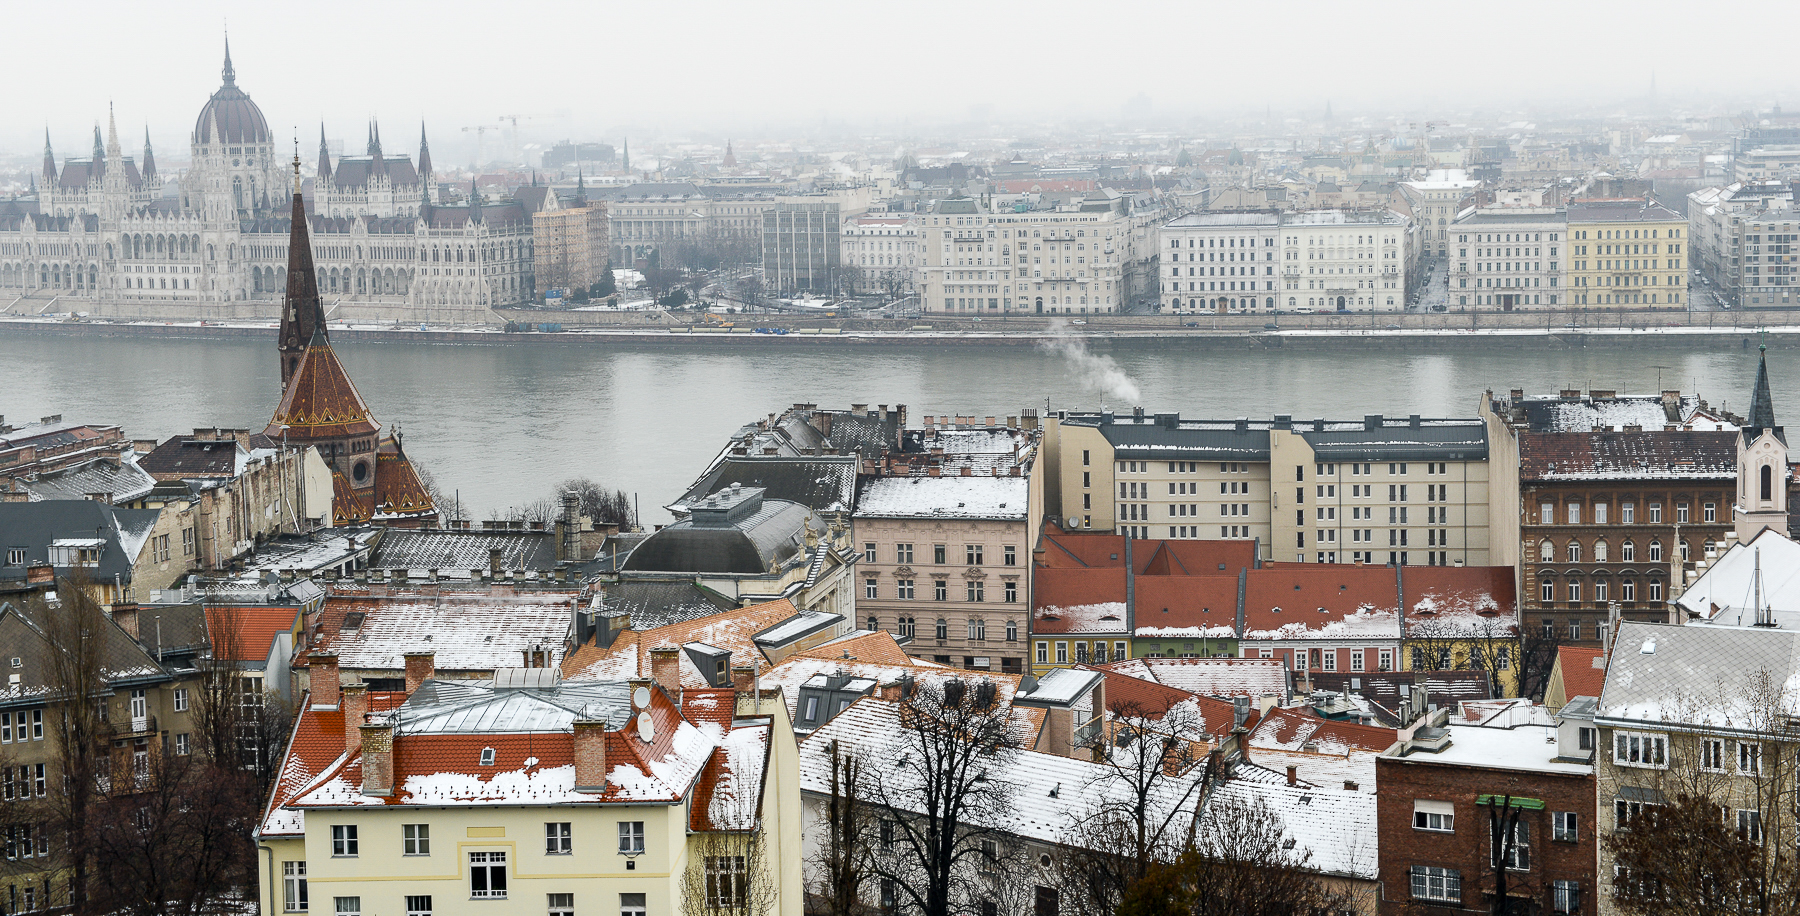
(376, 167)
(149, 157)
(424, 155)
(49, 160)
(302, 313)
(324, 159)
(1762, 464)
(1762, 402)
(113, 150)
(99, 168)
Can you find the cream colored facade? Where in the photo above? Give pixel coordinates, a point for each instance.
(1627, 252)
(883, 249)
(1379, 491)
(1435, 201)
(571, 244)
(1346, 260)
(978, 263)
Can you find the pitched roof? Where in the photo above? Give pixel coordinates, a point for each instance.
(875, 646)
(467, 630)
(245, 633)
(823, 484)
(1583, 671)
(1211, 677)
(399, 493)
(414, 548)
(1650, 454)
(320, 401)
(1310, 601)
(629, 655)
(184, 457)
(1689, 675)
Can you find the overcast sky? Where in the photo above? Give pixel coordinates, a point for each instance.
(707, 68)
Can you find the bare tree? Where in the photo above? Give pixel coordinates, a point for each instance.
(1537, 659)
(1142, 803)
(1237, 865)
(842, 869)
(944, 798)
(75, 629)
(1492, 645)
(600, 505)
(179, 844)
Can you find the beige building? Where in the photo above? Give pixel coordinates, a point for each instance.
(1408, 491)
(572, 247)
(643, 216)
(883, 250)
(1509, 257)
(978, 262)
(1347, 260)
(1628, 251)
(1436, 199)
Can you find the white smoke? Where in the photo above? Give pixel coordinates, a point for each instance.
(1094, 371)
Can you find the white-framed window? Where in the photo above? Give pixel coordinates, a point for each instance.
(871, 588)
(343, 840)
(293, 886)
(347, 906)
(1438, 816)
(182, 748)
(1518, 852)
(1386, 660)
(631, 905)
(1432, 883)
(631, 838)
(1638, 749)
(1565, 826)
(181, 699)
(559, 839)
(727, 881)
(1565, 896)
(418, 905)
(1749, 758)
(487, 875)
(561, 904)
(415, 839)
(1712, 754)
(1749, 825)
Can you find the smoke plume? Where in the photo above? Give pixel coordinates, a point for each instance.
(1094, 371)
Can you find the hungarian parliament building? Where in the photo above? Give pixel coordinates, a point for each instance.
(110, 234)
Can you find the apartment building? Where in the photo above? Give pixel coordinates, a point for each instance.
(1407, 491)
(1627, 251)
(1347, 260)
(1435, 200)
(1220, 261)
(1509, 257)
(1759, 260)
(801, 251)
(644, 215)
(884, 250)
(571, 246)
(1716, 233)
(978, 262)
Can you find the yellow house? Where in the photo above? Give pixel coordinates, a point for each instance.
(1624, 252)
(552, 796)
(1462, 618)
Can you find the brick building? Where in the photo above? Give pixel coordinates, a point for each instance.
(1446, 781)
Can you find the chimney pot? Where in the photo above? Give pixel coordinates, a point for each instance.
(324, 677)
(590, 756)
(356, 709)
(665, 670)
(420, 667)
(377, 742)
(1293, 775)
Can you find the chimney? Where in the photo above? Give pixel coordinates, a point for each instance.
(1350, 785)
(356, 710)
(494, 562)
(665, 670)
(420, 667)
(126, 616)
(324, 676)
(590, 755)
(1293, 775)
(743, 677)
(378, 758)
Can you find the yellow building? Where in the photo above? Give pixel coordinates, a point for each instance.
(561, 797)
(571, 246)
(1625, 252)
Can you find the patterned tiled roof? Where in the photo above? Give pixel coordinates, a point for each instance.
(320, 401)
(1650, 454)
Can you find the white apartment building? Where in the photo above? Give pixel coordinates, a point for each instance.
(1346, 260)
(883, 249)
(1219, 261)
(1722, 223)
(975, 262)
(1509, 257)
(1436, 200)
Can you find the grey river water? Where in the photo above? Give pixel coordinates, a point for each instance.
(501, 423)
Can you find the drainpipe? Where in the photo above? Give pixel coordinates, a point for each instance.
(270, 851)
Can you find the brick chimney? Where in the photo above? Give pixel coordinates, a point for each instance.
(356, 709)
(378, 758)
(1293, 775)
(420, 667)
(665, 670)
(126, 616)
(590, 755)
(743, 677)
(324, 668)
(494, 562)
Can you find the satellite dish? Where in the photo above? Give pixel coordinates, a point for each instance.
(646, 727)
(1074, 521)
(640, 698)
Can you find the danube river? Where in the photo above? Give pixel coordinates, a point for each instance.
(500, 424)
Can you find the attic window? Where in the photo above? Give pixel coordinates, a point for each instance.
(487, 756)
(18, 662)
(353, 621)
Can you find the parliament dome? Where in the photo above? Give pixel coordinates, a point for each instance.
(230, 111)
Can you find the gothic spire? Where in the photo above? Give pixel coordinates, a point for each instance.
(302, 314)
(424, 154)
(627, 154)
(113, 150)
(99, 155)
(149, 157)
(49, 159)
(230, 74)
(474, 200)
(1762, 403)
(324, 159)
(375, 149)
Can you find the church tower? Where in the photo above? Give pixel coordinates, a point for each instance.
(1762, 464)
(302, 312)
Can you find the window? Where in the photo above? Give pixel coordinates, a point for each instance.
(487, 875)
(561, 904)
(940, 591)
(631, 905)
(415, 839)
(1434, 815)
(1655, 514)
(975, 590)
(181, 699)
(1636, 749)
(1712, 754)
(903, 553)
(1749, 826)
(1518, 852)
(869, 551)
(1574, 513)
(871, 588)
(1681, 513)
(937, 554)
(293, 887)
(1709, 512)
(487, 756)
(1010, 592)
(1432, 883)
(1043, 653)
(977, 628)
(343, 840)
(1628, 514)
(972, 554)
(347, 906)
(1011, 555)
(631, 838)
(727, 881)
(1565, 897)
(558, 840)
(1749, 758)
(942, 631)
(908, 625)
(1062, 653)
(418, 905)
(1564, 827)
(903, 588)
(181, 745)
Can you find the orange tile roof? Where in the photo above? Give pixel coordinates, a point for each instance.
(1580, 677)
(629, 655)
(876, 647)
(398, 490)
(1187, 601)
(1071, 600)
(320, 401)
(347, 506)
(244, 633)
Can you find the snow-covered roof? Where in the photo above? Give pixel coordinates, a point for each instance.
(1363, 623)
(1336, 829)
(1106, 617)
(1766, 567)
(1699, 676)
(943, 497)
(1211, 677)
(467, 631)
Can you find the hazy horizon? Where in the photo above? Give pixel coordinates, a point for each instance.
(707, 69)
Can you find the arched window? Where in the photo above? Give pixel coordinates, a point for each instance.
(1628, 551)
(1574, 551)
(1600, 551)
(1655, 551)
(1547, 591)
(1654, 591)
(1767, 487)
(1546, 552)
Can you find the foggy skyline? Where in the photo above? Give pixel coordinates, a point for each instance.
(710, 69)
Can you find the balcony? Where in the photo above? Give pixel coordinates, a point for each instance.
(133, 727)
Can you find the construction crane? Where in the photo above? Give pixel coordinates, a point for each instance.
(480, 134)
(518, 157)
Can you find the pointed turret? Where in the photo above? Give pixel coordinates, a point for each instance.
(424, 156)
(49, 161)
(580, 187)
(149, 158)
(627, 154)
(302, 313)
(475, 206)
(113, 149)
(229, 73)
(324, 157)
(1762, 401)
(1762, 464)
(99, 168)
(730, 158)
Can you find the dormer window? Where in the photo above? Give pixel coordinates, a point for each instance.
(487, 756)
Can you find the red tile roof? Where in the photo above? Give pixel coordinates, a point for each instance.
(1614, 455)
(1086, 601)
(1580, 676)
(1186, 601)
(321, 402)
(245, 633)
